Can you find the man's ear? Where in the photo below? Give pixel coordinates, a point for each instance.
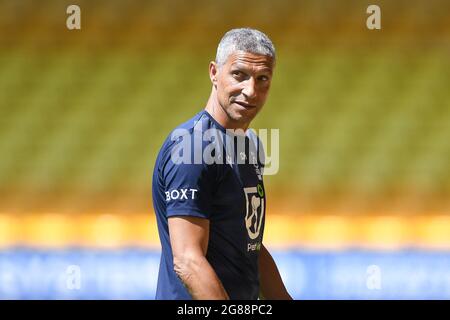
(213, 70)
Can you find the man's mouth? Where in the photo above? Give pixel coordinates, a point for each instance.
(245, 105)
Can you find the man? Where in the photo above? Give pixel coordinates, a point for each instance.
(210, 215)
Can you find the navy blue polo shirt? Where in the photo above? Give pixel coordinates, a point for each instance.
(200, 173)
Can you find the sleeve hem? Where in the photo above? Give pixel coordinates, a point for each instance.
(186, 212)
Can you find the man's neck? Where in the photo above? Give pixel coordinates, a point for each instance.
(216, 111)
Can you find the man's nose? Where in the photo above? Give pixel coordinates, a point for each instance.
(249, 88)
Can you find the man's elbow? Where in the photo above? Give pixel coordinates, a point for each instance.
(185, 265)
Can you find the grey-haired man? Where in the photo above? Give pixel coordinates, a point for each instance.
(211, 215)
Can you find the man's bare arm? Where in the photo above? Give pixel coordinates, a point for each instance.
(271, 284)
(189, 240)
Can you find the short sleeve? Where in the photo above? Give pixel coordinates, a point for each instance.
(188, 189)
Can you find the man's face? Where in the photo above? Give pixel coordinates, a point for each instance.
(242, 85)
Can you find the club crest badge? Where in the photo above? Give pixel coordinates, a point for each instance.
(254, 197)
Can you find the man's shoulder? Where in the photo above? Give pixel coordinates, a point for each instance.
(200, 122)
(187, 139)
(192, 122)
(182, 129)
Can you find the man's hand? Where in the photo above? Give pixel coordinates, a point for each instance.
(189, 240)
(272, 286)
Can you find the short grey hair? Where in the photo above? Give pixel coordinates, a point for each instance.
(244, 39)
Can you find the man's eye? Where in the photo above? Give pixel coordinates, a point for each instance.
(263, 78)
(237, 74)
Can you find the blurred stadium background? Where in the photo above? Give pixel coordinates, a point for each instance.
(360, 208)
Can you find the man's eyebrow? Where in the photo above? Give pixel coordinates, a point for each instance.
(237, 65)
